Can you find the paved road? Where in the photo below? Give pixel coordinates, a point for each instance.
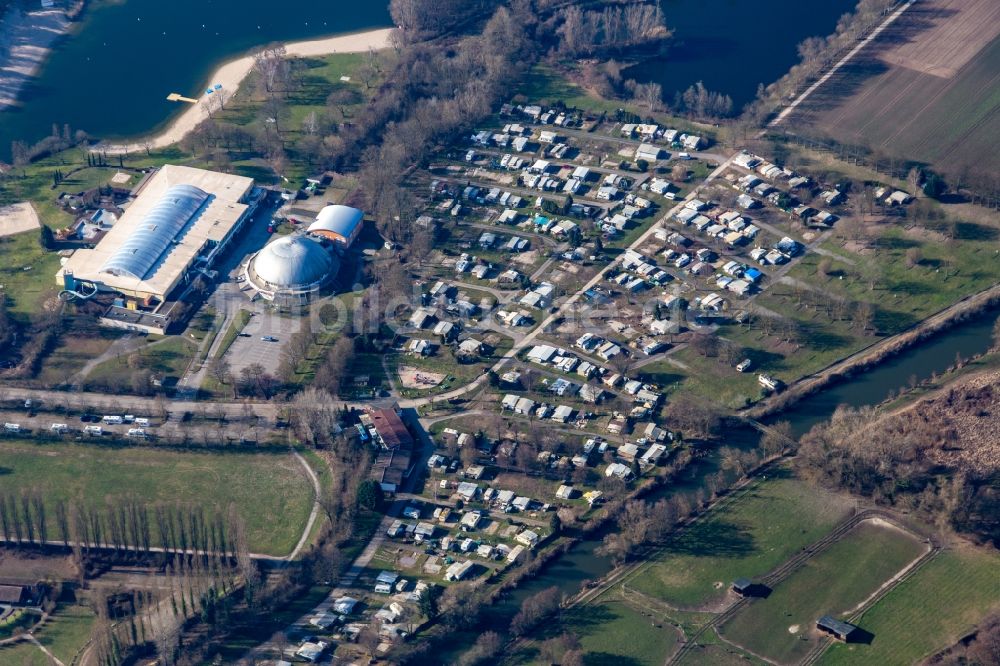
(562, 309)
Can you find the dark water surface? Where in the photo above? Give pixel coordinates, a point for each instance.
(874, 386)
(111, 75)
(734, 45)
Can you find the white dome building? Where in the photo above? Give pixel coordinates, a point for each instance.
(290, 269)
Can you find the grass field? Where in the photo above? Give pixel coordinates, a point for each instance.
(269, 490)
(713, 651)
(782, 626)
(27, 273)
(746, 537)
(72, 352)
(232, 332)
(611, 633)
(964, 585)
(66, 631)
(168, 358)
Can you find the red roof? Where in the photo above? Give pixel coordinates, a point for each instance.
(391, 430)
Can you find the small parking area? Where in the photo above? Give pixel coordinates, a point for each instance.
(249, 349)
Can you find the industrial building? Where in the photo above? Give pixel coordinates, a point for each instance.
(341, 224)
(181, 220)
(291, 270)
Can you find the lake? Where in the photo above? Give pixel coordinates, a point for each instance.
(111, 75)
(733, 45)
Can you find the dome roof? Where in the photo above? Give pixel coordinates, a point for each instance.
(292, 261)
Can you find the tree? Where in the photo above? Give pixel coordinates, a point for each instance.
(913, 179)
(534, 609)
(934, 186)
(370, 495)
(46, 237)
(864, 314)
(271, 67)
(679, 172)
(429, 601)
(487, 646)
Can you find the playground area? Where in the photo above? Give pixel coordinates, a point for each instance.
(414, 378)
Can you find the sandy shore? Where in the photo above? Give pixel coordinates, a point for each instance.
(231, 74)
(26, 38)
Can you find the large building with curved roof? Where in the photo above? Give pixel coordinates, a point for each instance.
(180, 221)
(341, 224)
(290, 270)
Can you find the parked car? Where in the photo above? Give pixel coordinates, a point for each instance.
(269, 338)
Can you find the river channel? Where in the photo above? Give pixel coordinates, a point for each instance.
(583, 563)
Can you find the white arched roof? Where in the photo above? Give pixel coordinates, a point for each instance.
(158, 230)
(342, 220)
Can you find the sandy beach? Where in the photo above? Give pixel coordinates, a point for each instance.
(27, 38)
(231, 74)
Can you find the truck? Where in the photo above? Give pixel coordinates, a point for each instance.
(59, 428)
(112, 420)
(93, 430)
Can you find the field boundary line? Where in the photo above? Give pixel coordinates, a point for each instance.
(840, 63)
(910, 571)
(783, 571)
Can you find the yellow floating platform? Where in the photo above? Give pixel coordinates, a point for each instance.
(177, 97)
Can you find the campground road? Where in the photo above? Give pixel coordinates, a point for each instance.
(530, 337)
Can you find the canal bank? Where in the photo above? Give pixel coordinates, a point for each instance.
(583, 564)
(919, 346)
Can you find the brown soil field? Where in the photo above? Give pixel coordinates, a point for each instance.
(959, 30)
(928, 90)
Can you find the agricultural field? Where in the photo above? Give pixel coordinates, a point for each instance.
(925, 91)
(269, 490)
(965, 586)
(781, 627)
(746, 536)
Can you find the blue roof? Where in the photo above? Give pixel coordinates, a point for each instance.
(753, 274)
(151, 238)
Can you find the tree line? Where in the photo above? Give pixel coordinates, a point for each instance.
(125, 524)
(585, 32)
(923, 459)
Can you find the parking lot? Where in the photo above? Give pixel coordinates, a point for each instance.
(249, 348)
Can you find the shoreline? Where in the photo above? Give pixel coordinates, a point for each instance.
(31, 37)
(231, 75)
